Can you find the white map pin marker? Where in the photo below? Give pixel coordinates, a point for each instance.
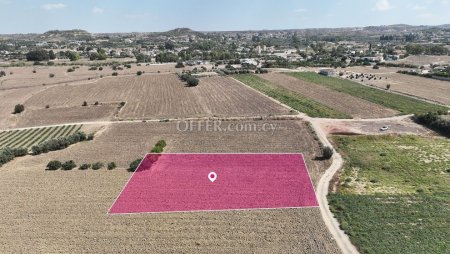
(212, 176)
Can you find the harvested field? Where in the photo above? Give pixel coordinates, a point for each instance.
(8, 99)
(78, 200)
(28, 137)
(25, 77)
(425, 60)
(427, 88)
(53, 116)
(162, 96)
(345, 103)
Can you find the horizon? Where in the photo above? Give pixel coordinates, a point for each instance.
(100, 16)
(225, 31)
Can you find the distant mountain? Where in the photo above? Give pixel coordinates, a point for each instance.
(75, 34)
(179, 32)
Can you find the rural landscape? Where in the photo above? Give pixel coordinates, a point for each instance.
(363, 110)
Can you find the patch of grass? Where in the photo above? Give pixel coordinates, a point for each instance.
(404, 104)
(399, 202)
(293, 100)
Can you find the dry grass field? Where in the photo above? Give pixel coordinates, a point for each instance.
(8, 99)
(430, 89)
(53, 116)
(345, 103)
(61, 211)
(25, 77)
(162, 96)
(425, 60)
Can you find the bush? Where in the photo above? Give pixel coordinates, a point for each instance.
(434, 122)
(51, 75)
(19, 108)
(54, 165)
(179, 65)
(327, 152)
(115, 74)
(112, 165)
(85, 166)
(97, 166)
(90, 137)
(84, 104)
(134, 165)
(68, 165)
(159, 147)
(19, 152)
(38, 55)
(191, 81)
(70, 70)
(139, 73)
(100, 68)
(58, 143)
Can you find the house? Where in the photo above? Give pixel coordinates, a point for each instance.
(328, 72)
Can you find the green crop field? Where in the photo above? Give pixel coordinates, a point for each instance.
(28, 137)
(293, 100)
(394, 193)
(404, 104)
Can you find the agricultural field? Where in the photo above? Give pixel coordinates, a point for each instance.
(79, 200)
(26, 138)
(54, 116)
(8, 99)
(293, 100)
(404, 104)
(19, 77)
(162, 96)
(393, 193)
(425, 60)
(356, 107)
(426, 88)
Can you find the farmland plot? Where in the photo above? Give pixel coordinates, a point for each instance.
(163, 96)
(8, 99)
(394, 189)
(404, 104)
(345, 103)
(430, 89)
(79, 200)
(53, 116)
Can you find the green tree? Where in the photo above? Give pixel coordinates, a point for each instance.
(191, 81)
(19, 108)
(134, 165)
(54, 165)
(68, 165)
(112, 165)
(38, 55)
(51, 55)
(73, 56)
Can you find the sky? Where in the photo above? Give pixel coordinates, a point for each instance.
(96, 16)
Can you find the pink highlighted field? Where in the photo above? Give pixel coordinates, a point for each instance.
(183, 183)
